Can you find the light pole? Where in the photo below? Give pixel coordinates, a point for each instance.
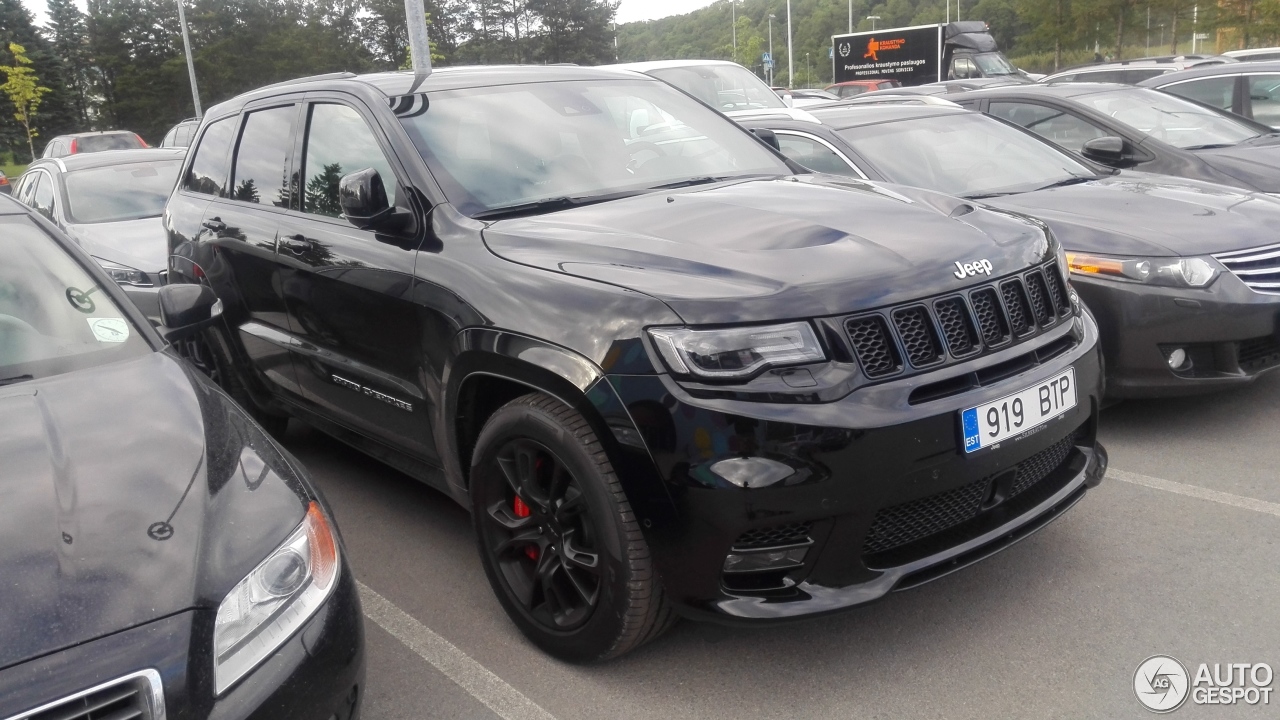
(772, 59)
(791, 65)
(191, 66)
(851, 15)
(873, 19)
(808, 73)
(733, 20)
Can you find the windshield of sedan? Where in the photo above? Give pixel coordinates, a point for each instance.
(53, 317)
(963, 154)
(120, 192)
(724, 87)
(1169, 119)
(500, 147)
(994, 64)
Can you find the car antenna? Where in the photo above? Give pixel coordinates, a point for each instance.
(419, 46)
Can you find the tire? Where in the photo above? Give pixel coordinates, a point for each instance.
(540, 563)
(209, 353)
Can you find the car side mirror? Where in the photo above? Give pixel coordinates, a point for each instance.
(363, 198)
(1105, 150)
(768, 137)
(186, 308)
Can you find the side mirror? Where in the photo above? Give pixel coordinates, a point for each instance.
(768, 137)
(363, 199)
(185, 308)
(1105, 150)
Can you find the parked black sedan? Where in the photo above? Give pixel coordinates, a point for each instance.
(1183, 276)
(1250, 90)
(1123, 126)
(161, 556)
(668, 370)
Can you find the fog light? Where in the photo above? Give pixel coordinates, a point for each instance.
(1177, 358)
(765, 560)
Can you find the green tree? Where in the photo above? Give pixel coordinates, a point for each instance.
(24, 90)
(69, 38)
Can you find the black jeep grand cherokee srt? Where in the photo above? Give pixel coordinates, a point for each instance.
(668, 371)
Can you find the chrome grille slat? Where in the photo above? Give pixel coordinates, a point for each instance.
(1258, 268)
(137, 696)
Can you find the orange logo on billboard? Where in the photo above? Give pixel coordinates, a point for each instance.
(875, 46)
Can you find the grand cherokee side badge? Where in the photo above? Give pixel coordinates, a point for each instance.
(370, 392)
(969, 269)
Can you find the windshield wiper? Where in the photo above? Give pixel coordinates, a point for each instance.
(15, 379)
(1073, 180)
(1211, 146)
(706, 180)
(551, 204)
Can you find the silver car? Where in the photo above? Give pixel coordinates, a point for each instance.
(111, 204)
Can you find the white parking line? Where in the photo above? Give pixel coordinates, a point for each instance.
(1194, 491)
(505, 701)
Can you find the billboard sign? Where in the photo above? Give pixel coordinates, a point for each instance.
(912, 55)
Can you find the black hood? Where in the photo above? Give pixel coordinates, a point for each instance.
(1256, 163)
(1140, 214)
(128, 492)
(765, 250)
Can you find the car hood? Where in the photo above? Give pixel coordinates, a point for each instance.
(760, 250)
(139, 244)
(1141, 214)
(1254, 163)
(128, 492)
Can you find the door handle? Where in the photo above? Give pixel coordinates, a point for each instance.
(214, 224)
(297, 244)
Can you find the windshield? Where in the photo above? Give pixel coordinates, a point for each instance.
(113, 141)
(963, 155)
(724, 87)
(1167, 118)
(497, 147)
(53, 317)
(120, 192)
(994, 63)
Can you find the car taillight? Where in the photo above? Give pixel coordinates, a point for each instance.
(4, 180)
(73, 146)
(141, 141)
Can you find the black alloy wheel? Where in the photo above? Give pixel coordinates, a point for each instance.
(542, 538)
(559, 542)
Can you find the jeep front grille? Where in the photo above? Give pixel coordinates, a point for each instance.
(1258, 268)
(924, 334)
(138, 696)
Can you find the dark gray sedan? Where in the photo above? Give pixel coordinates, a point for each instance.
(1250, 90)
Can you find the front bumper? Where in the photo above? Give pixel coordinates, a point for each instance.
(880, 495)
(1230, 333)
(318, 674)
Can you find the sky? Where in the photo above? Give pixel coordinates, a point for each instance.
(628, 11)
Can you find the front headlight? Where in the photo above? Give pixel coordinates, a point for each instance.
(736, 353)
(1192, 272)
(272, 602)
(123, 274)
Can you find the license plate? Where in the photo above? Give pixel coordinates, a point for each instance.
(989, 424)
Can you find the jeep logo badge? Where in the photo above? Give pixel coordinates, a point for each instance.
(969, 269)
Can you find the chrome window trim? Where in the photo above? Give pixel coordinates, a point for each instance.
(153, 694)
(827, 145)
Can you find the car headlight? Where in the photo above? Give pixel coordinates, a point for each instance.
(1193, 272)
(272, 602)
(123, 274)
(736, 353)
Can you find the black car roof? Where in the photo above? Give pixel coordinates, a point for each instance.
(841, 118)
(394, 84)
(107, 158)
(1252, 68)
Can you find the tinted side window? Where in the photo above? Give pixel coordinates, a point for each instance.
(260, 172)
(1216, 91)
(339, 142)
(1101, 76)
(1133, 77)
(1056, 126)
(813, 155)
(211, 166)
(42, 197)
(1264, 98)
(851, 90)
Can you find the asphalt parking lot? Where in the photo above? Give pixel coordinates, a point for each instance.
(1177, 553)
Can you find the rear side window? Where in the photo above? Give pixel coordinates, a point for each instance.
(1216, 91)
(212, 163)
(261, 175)
(42, 196)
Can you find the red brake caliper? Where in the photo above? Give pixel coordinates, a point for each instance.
(521, 510)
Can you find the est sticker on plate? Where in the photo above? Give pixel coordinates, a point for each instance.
(986, 425)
